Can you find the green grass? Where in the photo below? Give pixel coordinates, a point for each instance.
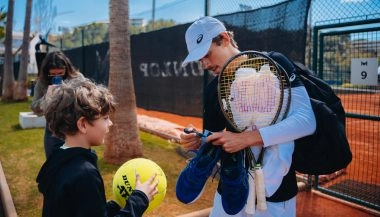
(22, 154)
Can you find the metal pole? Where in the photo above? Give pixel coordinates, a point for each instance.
(153, 11)
(83, 53)
(207, 7)
(205, 72)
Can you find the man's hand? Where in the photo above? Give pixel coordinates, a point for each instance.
(190, 141)
(233, 142)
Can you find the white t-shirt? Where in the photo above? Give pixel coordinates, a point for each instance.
(279, 139)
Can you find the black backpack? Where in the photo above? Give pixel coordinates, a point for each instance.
(327, 150)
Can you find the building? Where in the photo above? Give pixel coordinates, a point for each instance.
(16, 50)
(137, 22)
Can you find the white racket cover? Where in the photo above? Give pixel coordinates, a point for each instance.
(250, 208)
(255, 98)
(260, 189)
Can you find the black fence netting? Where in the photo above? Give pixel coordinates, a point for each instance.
(281, 28)
(162, 84)
(92, 61)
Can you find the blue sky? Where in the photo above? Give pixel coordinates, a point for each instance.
(73, 13)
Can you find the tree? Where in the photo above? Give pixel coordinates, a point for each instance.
(123, 141)
(160, 24)
(3, 16)
(8, 77)
(94, 33)
(20, 92)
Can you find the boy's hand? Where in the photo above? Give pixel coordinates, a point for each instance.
(149, 187)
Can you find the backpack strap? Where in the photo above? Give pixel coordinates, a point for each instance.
(288, 66)
(302, 69)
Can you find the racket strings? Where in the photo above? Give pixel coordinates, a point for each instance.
(251, 92)
(285, 97)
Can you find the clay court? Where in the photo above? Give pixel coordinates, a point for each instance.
(364, 136)
(359, 180)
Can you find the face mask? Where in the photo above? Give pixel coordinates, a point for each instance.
(56, 80)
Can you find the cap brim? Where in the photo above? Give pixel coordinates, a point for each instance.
(197, 53)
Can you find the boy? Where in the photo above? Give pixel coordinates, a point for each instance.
(77, 112)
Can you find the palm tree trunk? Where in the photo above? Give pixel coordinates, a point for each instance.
(20, 92)
(123, 141)
(8, 81)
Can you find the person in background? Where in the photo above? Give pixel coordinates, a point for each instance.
(56, 65)
(78, 112)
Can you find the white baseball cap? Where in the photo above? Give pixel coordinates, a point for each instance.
(199, 37)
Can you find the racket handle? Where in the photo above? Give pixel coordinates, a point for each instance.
(251, 201)
(188, 131)
(260, 189)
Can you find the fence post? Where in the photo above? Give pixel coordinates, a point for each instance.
(205, 72)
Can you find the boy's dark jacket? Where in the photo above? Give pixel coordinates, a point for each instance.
(72, 186)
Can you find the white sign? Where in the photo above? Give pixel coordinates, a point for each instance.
(364, 71)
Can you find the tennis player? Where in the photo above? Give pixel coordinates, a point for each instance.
(212, 45)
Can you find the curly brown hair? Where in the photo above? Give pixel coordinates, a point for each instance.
(75, 99)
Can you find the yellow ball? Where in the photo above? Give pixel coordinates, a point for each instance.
(124, 180)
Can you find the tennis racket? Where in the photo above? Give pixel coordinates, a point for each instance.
(253, 92)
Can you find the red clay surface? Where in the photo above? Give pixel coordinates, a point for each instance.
(309, 203)
(363, 136)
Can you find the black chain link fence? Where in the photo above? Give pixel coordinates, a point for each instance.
(260, 26)
(186, 11)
